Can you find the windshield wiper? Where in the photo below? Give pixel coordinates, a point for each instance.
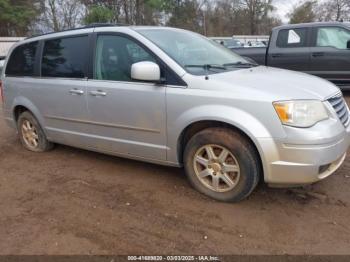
(208, 66)
(241, 64)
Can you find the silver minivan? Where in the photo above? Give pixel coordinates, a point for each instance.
(173, 97)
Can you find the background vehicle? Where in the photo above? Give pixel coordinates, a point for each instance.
(321, 49)
(250, 44)
(6, 43)
(228, 42)
(245, 39)
(139, 92)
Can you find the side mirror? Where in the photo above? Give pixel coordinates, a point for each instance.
(145, 71)
(348, 45)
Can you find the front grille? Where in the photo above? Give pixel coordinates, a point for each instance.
(340, 107)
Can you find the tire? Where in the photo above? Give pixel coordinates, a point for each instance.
(228, 180)
(26, 121)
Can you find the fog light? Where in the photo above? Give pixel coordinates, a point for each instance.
(323, 168)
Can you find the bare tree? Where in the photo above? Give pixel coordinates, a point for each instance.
(333, 10)
(209, 17)
(60, 14)
(256, 10)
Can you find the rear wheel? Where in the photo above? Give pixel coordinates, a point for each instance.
(222, 164)
(31, 134)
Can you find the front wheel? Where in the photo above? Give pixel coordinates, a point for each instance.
(222, 164)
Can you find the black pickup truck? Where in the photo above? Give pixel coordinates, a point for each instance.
(321, 49)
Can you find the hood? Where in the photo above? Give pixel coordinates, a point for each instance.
(279, 84)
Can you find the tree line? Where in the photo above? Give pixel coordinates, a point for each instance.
(208, 17)
(330, 10)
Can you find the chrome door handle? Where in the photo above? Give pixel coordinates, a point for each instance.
(276, 55)
(317, 54)
(98, 93)
(76, 92)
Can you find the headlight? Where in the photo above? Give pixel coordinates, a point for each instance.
(301, 113)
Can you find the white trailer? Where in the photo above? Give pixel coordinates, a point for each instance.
(6, 43)
(245, 39)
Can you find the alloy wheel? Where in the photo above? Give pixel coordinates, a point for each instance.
(216, 168)
(30, 134)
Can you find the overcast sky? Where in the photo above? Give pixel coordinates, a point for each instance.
(284, 7)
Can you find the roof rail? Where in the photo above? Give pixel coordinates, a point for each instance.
(104, 25)
(93, 25)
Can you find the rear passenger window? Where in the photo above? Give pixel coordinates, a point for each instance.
(22, 60)
(289, 38)
(65, 57)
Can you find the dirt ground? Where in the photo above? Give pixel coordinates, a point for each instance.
(71, 201)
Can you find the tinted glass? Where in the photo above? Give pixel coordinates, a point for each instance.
(115, 55)
(292, 38)
(66, 57)
(333, 36)
(22, 60)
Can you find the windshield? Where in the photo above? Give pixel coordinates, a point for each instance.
(195, 53)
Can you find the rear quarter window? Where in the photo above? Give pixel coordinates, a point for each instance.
(22, 60)
(289, 38)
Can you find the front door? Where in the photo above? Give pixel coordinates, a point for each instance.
(330, 56)
(125, 116)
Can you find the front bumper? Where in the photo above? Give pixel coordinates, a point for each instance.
(305, 156)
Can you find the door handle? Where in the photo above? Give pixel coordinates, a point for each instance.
(98, 93)
(76, 91)
(317, 54)
(276, 55)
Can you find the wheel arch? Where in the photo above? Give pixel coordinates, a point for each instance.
(198, 118)
(22, 104)
(201, 125)
(18, 110)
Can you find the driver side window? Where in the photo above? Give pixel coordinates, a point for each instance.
(115, 56)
